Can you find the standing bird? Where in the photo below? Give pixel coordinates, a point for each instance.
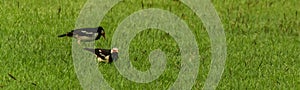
(105, 55)
(86, 34)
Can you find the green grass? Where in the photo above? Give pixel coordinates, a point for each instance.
(262, 36)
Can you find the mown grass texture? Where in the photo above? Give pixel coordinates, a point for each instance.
(262, 44)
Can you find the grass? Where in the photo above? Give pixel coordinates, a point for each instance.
(262, 44)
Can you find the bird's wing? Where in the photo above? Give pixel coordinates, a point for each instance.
(102, 53)
(86, 31)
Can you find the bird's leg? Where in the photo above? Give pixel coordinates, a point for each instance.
(78, 41)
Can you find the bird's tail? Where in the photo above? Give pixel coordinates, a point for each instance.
(62, 35)
(89, 49)
(69, 34)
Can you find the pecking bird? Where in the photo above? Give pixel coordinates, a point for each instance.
(105, 55)
(86, 34)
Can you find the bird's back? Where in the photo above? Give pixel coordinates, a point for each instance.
(97, 51)
(94, 30)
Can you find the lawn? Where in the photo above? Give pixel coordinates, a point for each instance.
(262, 38)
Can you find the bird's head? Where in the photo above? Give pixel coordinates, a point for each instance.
(101, 31)
(114, 50)
(114, 54)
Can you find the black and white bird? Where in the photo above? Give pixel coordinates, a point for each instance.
(105, 55)
(86, 34)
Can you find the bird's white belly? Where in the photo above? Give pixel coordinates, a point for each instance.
(87, 37)
(102, 60)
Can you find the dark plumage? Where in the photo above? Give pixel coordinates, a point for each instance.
(105, 55)
(86, 34)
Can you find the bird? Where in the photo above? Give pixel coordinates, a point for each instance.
(105, 55)
(85, 34)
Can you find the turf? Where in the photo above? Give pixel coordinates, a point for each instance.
(262, 44)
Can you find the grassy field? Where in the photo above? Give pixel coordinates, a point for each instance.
(262, 36)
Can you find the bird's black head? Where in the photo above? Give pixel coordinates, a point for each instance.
(101, 31)
(114, 54)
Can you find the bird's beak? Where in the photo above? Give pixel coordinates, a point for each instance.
(103, 36)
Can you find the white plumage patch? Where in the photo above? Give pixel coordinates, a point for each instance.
(87, 32)
(87, 37)
(101, 60)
